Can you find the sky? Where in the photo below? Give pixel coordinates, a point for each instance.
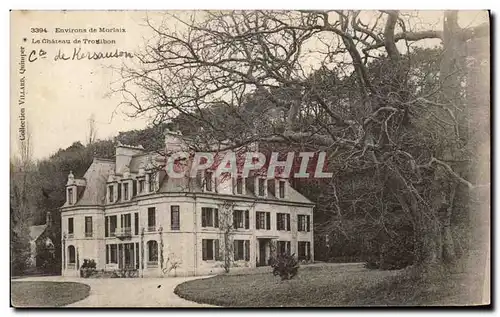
(61, 96)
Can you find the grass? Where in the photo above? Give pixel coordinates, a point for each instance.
(47, 294)
(328, 286)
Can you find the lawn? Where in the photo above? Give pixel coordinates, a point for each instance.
(47, 294)
(326, 285)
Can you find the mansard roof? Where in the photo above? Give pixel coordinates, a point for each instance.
(96, 178)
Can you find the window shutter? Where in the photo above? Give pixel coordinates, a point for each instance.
(308, 224)
(278, 222)
(107, 253)
(247, 219)
(235, 250)
(106, 231)
(203, 217)
(268, 220)
(216, 250)
(216, 218)
(308, 244)
(121, 221)
(204, 250)
(287, 222)
(257, 218)
(288, 247)
(247, 250)
(235, 220)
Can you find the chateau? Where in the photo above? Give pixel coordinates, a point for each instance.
(127, 213)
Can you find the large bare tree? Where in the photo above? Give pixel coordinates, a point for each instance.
(340, 81)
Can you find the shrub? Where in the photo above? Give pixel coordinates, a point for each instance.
(286, 266)
(88, 268)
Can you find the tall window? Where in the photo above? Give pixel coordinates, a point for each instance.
(281, 189)
(209, 217)
(208, 181)
(210, 249)
(71, 254)
(304, 223)
(113, 223)
(70, 226)
(284, 247)
(174, 218)
(111, 193)
(304, 250)
(88, 226)
(283, 221)
(151, 219)
(125, 191)
(263, 220)
(152, 251)
(70, 196)
(241, 219)
(239, 186)
(241, 250)
(262, 184)
(126, 223)
(113, 253)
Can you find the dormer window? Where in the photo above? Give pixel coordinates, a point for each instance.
(70, 196)
(125, 191)
(111, 192)
(208, 181)
(281, 189)
(261, 187)
(142, 185)
(151, 182)
(240, 184)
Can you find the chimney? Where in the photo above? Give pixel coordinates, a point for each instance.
(173, 142)
(124, 153)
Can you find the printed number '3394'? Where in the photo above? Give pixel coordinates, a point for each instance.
(38, 30)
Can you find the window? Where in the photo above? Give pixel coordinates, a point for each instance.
(263, 220)
(239, 186)
(141, 186)
(151, 219)
(283, 221)
(304, 250)
(88, 226)
(304, 223)
(136, 221)
(262, 183)
(210, 249)
(70, 196)
(152, 182)
(241, 250)
(209, 217)
(281, 189)
(113, 253)
(174, 218)
(111, 193)
(126, 223)
(125, 191)
(208, 181)
(113, 223)
(241, 219)
(152, 251)
(71, 254)
(283, 247)
(70, 226)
